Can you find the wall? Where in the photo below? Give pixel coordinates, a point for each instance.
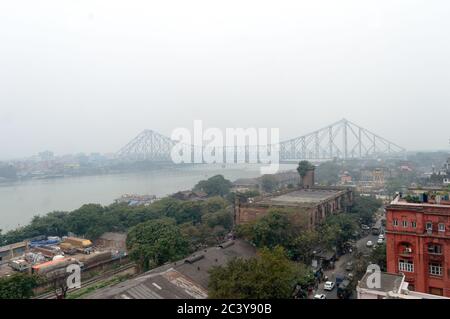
(420, 280)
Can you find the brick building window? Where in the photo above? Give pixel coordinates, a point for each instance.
(405, 224)
(435, 249)
(429, 226)
(405, 265)
(413, 224)
(395, 222)
(441, 227)
(435, 269)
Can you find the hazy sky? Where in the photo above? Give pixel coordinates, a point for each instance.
(86, 75)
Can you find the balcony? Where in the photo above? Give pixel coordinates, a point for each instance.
(407, 252)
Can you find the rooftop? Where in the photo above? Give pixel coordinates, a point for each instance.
(423, 199)
(184, 279)
(389, 282)
(301, 197)
(13, 246)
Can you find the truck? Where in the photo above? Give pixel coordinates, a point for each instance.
(72, 245)
(96, 258)
(78, 242)
(45, 242)
(51, 266)
(339, 278)
(19, 265)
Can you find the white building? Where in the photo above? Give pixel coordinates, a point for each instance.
(391, 286)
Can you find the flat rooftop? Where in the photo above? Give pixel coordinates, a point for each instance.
(430, 203)
(388, 282)
(302, 196)
(185, 279)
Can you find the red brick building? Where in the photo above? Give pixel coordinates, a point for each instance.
(418, 243)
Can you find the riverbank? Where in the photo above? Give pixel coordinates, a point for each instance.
(21, 201)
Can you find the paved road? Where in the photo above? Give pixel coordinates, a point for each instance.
(342, 262)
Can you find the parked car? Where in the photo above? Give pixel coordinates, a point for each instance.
(329, 285)
(380, 241)
(369, 244)
(349, 266)
(365, 227)
(320, 296)
(381, 236)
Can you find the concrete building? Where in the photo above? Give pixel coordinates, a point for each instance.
(418, 241)
(184, 279)
(392, 286)
(316, 203)
(12, 251)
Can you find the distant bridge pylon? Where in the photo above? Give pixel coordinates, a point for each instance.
(148, 145)
(343, 140)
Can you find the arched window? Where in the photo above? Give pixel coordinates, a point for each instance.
(405, 248)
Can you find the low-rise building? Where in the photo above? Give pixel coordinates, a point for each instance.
(315, 203)
(11, 251)
(184, 279)
(391, 286)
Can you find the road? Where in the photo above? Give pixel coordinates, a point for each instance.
(342, 262)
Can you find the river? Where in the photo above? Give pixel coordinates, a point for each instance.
(20, 201)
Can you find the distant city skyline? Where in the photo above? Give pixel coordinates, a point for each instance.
(88, 76)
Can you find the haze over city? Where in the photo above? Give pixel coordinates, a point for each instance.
(87, 76)
(245, 152)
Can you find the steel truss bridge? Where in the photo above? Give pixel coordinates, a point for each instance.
(342, 140)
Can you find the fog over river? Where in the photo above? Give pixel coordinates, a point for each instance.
(20, 201)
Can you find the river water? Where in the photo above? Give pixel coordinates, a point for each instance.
(20, 201)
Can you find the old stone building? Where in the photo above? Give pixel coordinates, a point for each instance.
(316, 203)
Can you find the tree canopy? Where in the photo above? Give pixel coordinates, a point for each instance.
(278, 228)
(92, 220)
(270, 276)
(364, 208)
(215, 186)
(304, 167)
(155, 242)
(18, 286)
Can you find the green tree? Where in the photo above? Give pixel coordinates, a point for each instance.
(222, 218)
(303, 168)
(215, 186)
(364, 208)
(18, 286)
(271, 276)
(155, 242)
(269, 183)
(378, 256)
(277, 228)
(302, 247)
(337, 230)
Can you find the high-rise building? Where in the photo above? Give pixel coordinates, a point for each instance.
(418, 241)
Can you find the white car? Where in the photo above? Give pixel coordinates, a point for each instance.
(329, 285)
(369, 244)
(381, 236)
(321, 296)
(380, 240)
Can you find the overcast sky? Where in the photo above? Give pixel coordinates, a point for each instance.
(87, 75)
